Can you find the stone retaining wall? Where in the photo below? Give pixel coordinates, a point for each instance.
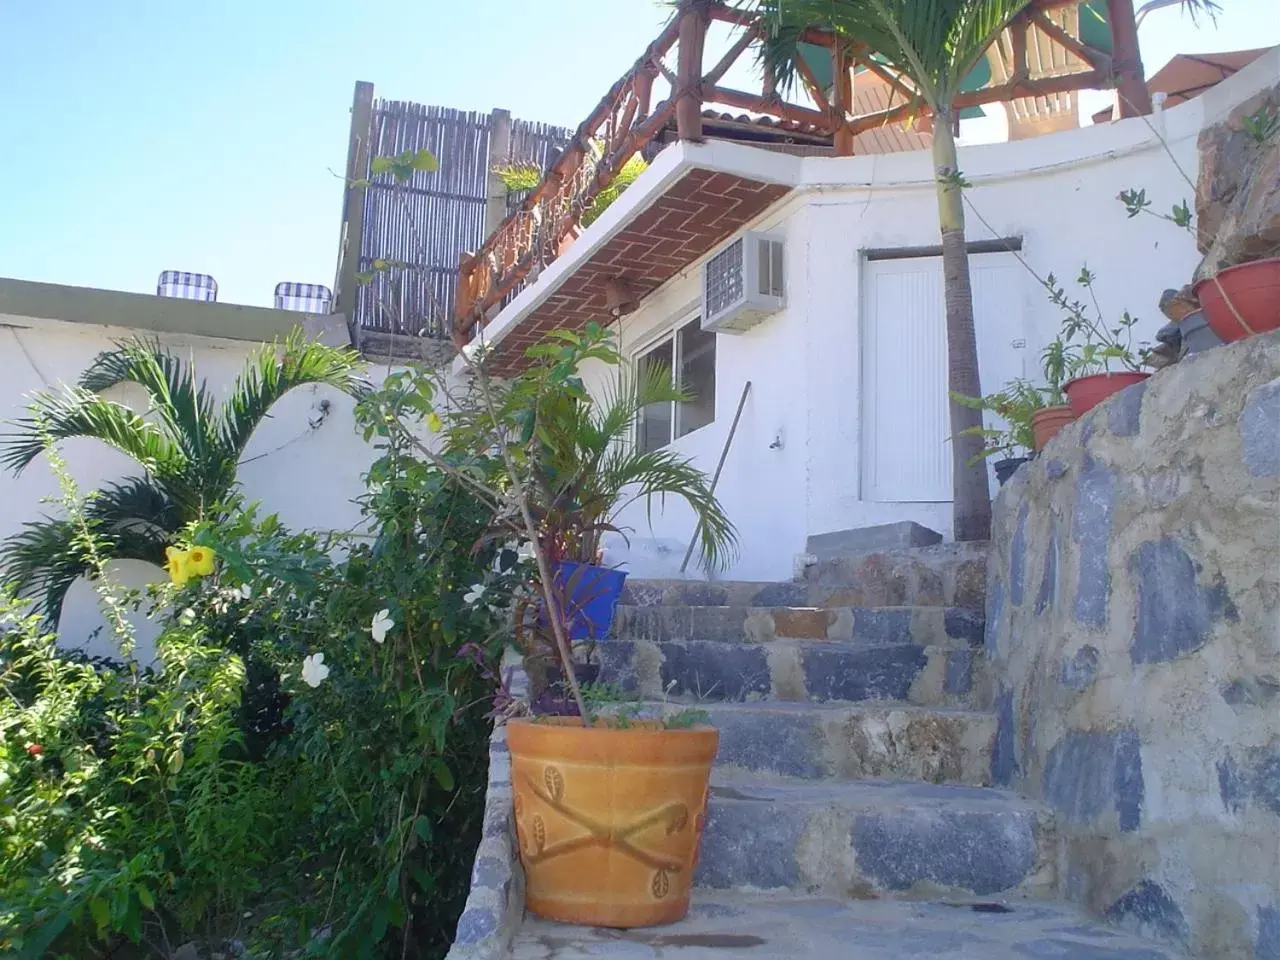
(1133, 624)
(495, 905)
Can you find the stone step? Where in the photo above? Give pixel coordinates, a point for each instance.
(864, 839)
(945, 575)
(948, 574)
(728, 925)
(954, 627)
(797, 670)
(865, 741)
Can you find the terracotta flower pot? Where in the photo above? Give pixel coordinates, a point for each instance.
(608, 820)
(1085, 393)
(1252, 289)
(1046, 423)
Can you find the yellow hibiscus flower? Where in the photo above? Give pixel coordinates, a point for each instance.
(200, 561)
(177, 564)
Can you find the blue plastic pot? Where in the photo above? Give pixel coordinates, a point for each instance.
(591, 596)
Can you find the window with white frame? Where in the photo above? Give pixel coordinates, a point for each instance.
(689, 353)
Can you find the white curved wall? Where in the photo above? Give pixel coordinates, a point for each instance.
(1058, 193)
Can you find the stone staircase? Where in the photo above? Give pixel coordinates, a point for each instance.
(854, 710)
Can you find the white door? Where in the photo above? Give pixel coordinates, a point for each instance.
(906, 454)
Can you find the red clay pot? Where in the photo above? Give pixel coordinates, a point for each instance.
(1085, 393)
(1253, 289)
(1046, 423)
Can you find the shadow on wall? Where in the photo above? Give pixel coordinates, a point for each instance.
(1134, 621)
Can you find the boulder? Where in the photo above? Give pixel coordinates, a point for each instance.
(1238, 193)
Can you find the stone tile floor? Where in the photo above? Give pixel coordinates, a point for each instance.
(758, 926)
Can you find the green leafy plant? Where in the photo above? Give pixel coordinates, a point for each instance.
(1015, 404)
(523, 177)
(1096, 346)
(187, 447)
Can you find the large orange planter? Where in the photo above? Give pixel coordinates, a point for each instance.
(608, 820)
(1046, 422)
(1085, 393)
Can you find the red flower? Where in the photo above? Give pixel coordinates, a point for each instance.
(35, 749)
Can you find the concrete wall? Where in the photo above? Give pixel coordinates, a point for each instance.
(1058, 193)
(1134, 623)
(309, 476)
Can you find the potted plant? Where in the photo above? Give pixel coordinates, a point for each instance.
(609, 807)
(1015, 404)
(1058, 362)
(1100, 348)
(1243, 300)
(634, 788)
(584, 470)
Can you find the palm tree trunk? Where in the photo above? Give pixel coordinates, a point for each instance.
(972, 519)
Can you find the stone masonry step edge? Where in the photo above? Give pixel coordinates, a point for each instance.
(850, 742)
(956, 627)
(795, 670)
(875, 839)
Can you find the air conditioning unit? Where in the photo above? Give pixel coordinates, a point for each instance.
(743, 284)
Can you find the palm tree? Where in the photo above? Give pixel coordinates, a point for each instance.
(586, 469)
(935, 44)
(188, 452)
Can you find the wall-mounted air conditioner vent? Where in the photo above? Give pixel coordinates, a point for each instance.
(742, 284)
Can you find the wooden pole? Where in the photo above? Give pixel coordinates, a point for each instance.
(1095, 58)
(693, 33)
(715, 477)
(1134, 99)
(841, 100)
(345, 287)
(495, 207)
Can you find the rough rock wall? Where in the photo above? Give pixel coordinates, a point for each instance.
(1133, 624)
(1238, 193)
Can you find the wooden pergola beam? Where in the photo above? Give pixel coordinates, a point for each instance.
(693, 20)
(841, 100)
(759, 104)
(975, 98)
(731, 56)
(1090, 55)
(1126, 61)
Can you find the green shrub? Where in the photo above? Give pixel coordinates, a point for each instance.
(229, 794)
(129, 808)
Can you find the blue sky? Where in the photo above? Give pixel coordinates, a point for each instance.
(140, 135)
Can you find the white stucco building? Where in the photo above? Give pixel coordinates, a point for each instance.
(846, 423)
(305, 462)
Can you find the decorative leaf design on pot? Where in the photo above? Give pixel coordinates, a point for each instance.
(555, 783)
(677, 819)
(661, 885)
(539, 834)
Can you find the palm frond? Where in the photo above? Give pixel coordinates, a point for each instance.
(43, 559)
(77, 412)
(139, 507)
(935, 43)
(183, 405)
(628, 474)
(273, 371)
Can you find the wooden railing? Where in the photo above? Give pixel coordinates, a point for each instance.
(627, 118)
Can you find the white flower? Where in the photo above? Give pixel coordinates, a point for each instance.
(474, 595)
(313, 670)
(381, 623)
(245, 591)
(187, 617)
(526, 551)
